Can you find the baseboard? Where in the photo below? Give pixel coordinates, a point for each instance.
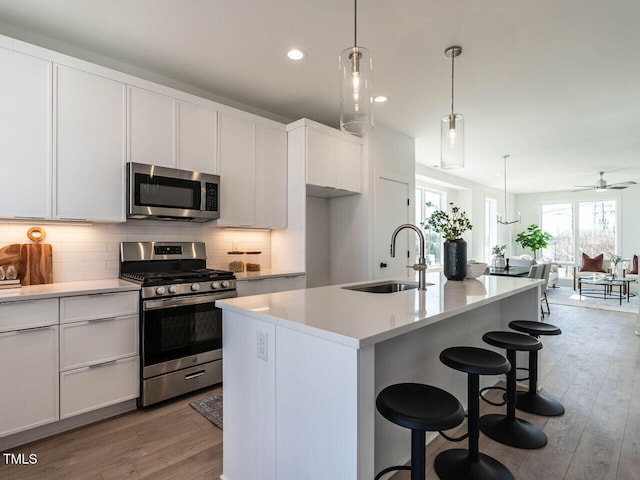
(38, 433)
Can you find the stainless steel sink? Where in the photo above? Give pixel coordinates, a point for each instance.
(384, 287)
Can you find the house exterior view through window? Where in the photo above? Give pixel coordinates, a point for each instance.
(580, 227)
(433, 240)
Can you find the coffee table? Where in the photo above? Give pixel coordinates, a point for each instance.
(608, 283)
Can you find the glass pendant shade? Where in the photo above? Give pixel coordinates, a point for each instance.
(356, 99)
(452, 141)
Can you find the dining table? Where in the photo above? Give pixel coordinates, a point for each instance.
(509, 272)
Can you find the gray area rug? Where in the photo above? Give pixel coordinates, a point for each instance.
(210, 408)
(568, 296)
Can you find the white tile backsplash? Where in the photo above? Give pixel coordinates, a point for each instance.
(91, 252)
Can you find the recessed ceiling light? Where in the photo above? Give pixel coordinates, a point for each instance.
(295, 54)
(380, 99)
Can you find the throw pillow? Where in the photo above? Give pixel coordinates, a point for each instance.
(634, 266)
(592, 264)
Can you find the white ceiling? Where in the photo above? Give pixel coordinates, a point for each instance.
(555, 84)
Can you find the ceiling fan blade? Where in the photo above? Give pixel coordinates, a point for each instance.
(630, 182)
(617, 187)
(582, 189)
(585, 186)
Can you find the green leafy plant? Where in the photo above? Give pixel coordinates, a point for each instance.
(450, 225)
(615, 260)
(498, 250)
(534, 238)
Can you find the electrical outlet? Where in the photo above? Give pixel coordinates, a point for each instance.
(263, 345)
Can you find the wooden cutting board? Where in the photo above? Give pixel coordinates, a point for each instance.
(33, 261)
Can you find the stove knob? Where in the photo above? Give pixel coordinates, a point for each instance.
(160, 291)
(173, 289)
(215, 285)
(195, 287)
(225, 283)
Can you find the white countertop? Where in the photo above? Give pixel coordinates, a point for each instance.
(359, 319)
(66, 289)
(265, 273)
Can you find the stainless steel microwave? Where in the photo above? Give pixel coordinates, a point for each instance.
(171, 194)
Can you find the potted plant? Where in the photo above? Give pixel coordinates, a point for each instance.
(615, 260)
(451, 225)
(534, 238)
(498, 256)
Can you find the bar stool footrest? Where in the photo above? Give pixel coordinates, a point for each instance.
(516, 433)
(391, 469)
(455, 465)
(490, 402)
(454, 439)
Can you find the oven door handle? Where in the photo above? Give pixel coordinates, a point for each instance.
(186, 300)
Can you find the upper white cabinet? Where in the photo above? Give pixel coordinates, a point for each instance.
(90, 146)
(168, 132)
(333, 159)
(253, 172)
(197, 134)
(25, 136)
(151, 128)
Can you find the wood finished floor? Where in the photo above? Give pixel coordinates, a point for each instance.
(593, 368)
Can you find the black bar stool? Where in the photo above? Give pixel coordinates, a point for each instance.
(457, 464)
(422, 408)
(508, 429)
(531, 401)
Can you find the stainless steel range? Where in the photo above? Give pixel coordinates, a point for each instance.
(180, 325)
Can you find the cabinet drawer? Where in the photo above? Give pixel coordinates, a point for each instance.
(103, 305)
(28, 314)
(96, 341)
(89, 388)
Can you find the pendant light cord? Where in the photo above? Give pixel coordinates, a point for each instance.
(355, 23)
(505, 185)
(453, 56)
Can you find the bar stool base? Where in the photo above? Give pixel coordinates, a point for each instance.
(456, 465)
(515, 433)
(538, 404)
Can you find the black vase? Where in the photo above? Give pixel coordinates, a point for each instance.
(455, 259)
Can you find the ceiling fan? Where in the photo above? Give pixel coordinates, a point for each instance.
(602, 186)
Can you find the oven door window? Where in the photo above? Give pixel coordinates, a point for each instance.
(173, 333)
(167, 192)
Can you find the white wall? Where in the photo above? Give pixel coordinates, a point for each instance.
(628, 204)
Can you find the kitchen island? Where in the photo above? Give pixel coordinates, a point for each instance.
(302, 370)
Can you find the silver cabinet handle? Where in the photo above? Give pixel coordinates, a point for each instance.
(98, 320)
(34, 329)
(194, 375)
(103, 364)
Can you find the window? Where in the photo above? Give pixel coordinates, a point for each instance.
(433, 240)
(597, 222)
(588, 227)
(557, 219)
(490, 226)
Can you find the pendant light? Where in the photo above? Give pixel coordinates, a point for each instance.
(356, 108)
(452, 126)
(500, 219)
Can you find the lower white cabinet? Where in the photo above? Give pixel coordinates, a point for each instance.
(29, 378)
(98, 385)
(270, 285)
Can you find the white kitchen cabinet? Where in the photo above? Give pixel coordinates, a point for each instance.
(168, 132)
(99, 351)
(270, 285)
(28, 365)
(253, 173)
(197, 135)
(25, 136)
(332, 158)
(271, 177)
(151, 128)
(90, 146)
